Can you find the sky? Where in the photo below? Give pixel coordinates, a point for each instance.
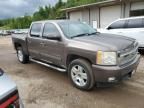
(18, 8)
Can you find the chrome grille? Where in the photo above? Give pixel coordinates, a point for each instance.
(129, 54)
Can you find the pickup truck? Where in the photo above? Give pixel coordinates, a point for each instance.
(89, 57)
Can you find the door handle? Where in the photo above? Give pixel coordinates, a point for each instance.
(42, 44)
(29, 41)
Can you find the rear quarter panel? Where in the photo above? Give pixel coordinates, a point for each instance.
(20, 39)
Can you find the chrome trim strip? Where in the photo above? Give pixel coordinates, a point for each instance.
(48, 65)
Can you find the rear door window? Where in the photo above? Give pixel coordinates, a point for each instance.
(36, 30)
(135, 23)
(117, 25)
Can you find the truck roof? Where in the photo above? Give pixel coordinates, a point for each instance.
(56, 21)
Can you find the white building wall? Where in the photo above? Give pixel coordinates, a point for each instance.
(94, 16)
(109, 14)
(137, 5)
(85, 16)
(75, 15)
(127, 9)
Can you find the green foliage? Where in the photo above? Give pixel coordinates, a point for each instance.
(71, 3)
(43, 13)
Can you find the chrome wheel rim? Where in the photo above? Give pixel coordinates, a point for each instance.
(20, 55)
(79, 75)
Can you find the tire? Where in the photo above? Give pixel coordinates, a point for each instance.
(81, 75)
(23, 58)
(141, 51)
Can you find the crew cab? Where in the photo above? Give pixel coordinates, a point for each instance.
(9, 96)
(89, 57)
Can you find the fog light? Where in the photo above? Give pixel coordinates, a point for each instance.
(111, 79)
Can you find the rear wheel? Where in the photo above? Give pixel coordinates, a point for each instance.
(81, 75)
(23, 58)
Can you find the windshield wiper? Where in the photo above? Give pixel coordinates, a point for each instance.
(80, 35)
(93, 33)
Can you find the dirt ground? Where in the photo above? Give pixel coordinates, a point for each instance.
(41, 87)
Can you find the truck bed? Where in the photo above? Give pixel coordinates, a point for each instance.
(20, 40)
(19, 36)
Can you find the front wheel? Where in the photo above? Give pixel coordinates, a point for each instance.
(21, 56)
(81, 75)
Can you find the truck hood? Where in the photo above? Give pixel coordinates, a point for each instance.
(7, 86)
(110, 41)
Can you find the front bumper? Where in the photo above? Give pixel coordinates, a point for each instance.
(104, 73)
(141, 46)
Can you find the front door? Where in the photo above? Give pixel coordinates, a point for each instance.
(52, 50)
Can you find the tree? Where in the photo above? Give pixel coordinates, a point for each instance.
(44, 13)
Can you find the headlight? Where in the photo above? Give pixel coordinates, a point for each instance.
(106, 58)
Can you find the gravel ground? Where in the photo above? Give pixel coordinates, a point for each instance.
(41, 87)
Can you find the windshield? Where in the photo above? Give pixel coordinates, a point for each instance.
(74, 29)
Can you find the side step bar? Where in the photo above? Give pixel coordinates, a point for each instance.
(48, 65)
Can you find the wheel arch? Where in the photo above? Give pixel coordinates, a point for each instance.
(72, 57)
(16, 45)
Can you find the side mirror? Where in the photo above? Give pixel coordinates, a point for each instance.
(52, 36)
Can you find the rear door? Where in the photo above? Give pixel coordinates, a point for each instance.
(52, 50)
(34, 39)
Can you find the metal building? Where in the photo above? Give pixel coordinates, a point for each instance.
(100, 14)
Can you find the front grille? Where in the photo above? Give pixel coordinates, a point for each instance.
(128, 54)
